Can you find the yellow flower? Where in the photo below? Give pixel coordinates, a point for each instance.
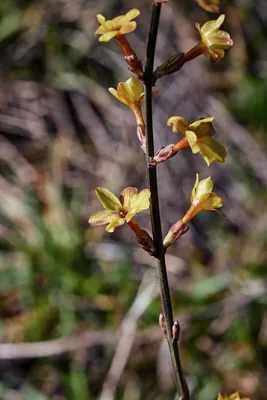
(234, 396)
(130, 93)
(209, 5)
(117, 26)
(118, 211)
(199, 136)
(202, 198)
(214, 41)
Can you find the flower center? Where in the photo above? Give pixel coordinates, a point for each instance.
(117, 27)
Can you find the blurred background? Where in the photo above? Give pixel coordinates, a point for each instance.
(79, 307)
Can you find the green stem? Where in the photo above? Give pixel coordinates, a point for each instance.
(154, 208)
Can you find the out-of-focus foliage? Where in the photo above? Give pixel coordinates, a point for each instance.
(61, 279)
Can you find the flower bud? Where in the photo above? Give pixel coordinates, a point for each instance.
(176, 331)
(162, 155)
(176, 231)
(162, 324)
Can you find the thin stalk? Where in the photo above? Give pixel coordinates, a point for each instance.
(154, 209)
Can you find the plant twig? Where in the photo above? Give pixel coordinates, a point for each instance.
(154, 208)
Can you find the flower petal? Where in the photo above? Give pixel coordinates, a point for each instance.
(101, 19)
(108, 199)
(136, 87)
(110, 26)
(139, 203)
(235, 396)
(108, 36)
(216, 54)
(193, 194)
(203, 127)
(220, 39)
(114, 92)
(106, 25)
(204, 186)
(179, 124)
(211, 150)
(214, 201)
(128, 27)
(192, 140)
(127, 196)
(134, 202)
(118, 21)
(131, 14)
(201, 190)
(100, 30)
(218, 22)
(207, 154)
(126, 92)
(101, 218)
(211, 26)
(114, 223)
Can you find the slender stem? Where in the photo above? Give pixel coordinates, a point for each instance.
(194, 52)
(154, 208)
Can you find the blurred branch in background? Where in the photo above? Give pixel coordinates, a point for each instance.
(145, 295)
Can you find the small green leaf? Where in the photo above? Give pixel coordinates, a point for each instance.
(9, 25)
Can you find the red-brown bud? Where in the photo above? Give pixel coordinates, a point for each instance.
(134, 64)
(175, 331)
(162, 155)
(176, 231)
(162, 324)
